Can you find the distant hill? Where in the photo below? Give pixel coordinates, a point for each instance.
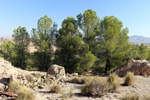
(139, 39)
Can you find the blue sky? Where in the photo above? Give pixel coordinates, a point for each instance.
(135, 14)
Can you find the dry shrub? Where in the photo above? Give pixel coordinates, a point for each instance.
(25, 94)
(29, 78)
(114, 82)
(129, 79)
(87, 79)
(130, 97)
(14, 86)
(147, 97)
(96, 87)
(37, 75)
(55, 89)
(76, 80)
(65, 97)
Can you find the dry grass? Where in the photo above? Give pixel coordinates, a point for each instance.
(114, 82)
(130, 97)
(55, 89)
(29, 78)
(96, 87)
(76, 80)
(147, 97)
(14, 86)
(67, 96)
(129, 79)
(25, 94)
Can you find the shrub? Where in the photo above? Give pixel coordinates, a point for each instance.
(96, 87)
(37, 75)
(130, 97)
(147, 97)
(114, 82)
(25, 94)
(29, 78)
(129, 79)
(65, 97)
(13, 86)
(76, 80)
(47, 80)
(55, 89)
(70, 94)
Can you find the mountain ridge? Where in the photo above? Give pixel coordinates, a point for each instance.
(139, 39)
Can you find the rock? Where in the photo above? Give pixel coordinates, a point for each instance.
(2, 86)
(138, 67)
(57, 71)
(75, 74)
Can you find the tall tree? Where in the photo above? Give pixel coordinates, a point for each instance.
(88, 23)
(143, 51)
(43, 38)
(21, 40)
(72, 52)
(113, 42)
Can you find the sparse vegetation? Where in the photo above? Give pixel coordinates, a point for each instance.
(14, 86)
(76, 80)
(96, 87)
(129, 79)
(130, 97)
(147, 97)
(65, 97)
(25, 94)
(29, 78)
(114, 82)
(55, 88)
(37, 75)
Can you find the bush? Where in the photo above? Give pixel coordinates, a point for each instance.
(96, 87)
(55, 89)
(114, 82)
(147, 97)
(76, 80)
(29, 78)
(65, 97)
(130, 97)
(25, 94)
(129, 79)
(13, 86)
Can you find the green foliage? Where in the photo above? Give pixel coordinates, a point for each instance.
(21, 40)
(8, 50)
(73, 53)
(43, 38)
(143, 51)
(113, 43)
(88, 23)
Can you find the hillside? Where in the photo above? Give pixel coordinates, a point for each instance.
(139, 39)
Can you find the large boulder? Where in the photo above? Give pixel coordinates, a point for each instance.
(138, 67)
(57, 71)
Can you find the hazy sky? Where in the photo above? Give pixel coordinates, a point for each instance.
(135, 14)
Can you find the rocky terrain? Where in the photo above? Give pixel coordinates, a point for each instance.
(40, 82)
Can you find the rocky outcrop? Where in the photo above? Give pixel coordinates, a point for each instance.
(138, 67)
(57, 71)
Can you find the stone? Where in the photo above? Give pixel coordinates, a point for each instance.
(57, 71)
(138, 67)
